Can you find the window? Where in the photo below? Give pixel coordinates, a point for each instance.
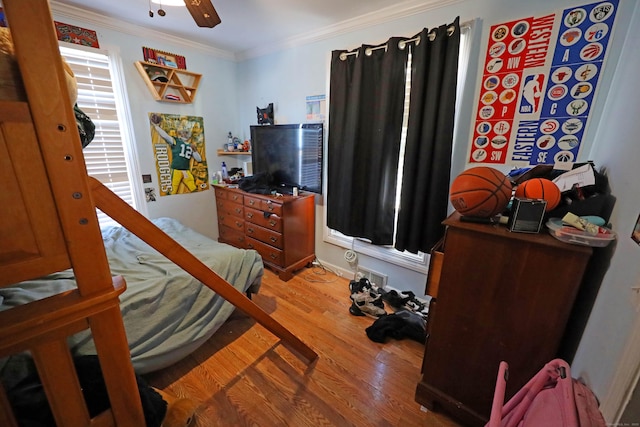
(417, 262)
(109, 157)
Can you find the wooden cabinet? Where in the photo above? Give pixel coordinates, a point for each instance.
(169, 84)
(281, 229)
(501, 296)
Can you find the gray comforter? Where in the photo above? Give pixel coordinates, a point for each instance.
(167, 313)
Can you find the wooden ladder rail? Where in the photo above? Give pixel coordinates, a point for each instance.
(67, 218)
(120, 211)
(42, 328)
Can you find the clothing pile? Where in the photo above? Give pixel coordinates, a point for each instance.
(407, 321)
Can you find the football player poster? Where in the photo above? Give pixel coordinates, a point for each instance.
(179, 153)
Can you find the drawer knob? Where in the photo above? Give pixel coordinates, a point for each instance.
(250, 230)
(249, 215)
(273, 256)
(252, 202)
(272, 223)
(273, 239)
(238, 210)
(250, 246)
(238, 224)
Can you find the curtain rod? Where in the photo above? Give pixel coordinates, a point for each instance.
(402, 44)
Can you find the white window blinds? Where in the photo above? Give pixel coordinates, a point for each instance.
(105, 156)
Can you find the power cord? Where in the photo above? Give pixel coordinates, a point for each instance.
(351, 257)
(319, 270)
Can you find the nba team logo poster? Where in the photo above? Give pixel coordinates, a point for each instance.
(179, 153)
(539, 82)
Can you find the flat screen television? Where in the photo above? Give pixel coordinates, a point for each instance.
(291, 154)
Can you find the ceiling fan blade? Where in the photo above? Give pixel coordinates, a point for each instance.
(203, 13)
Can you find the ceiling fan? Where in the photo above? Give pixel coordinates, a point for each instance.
(202, 12)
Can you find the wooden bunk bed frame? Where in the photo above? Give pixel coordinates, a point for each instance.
(50, 224)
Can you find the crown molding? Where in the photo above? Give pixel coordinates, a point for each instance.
(387, 14)
(67, 11)
(391, 13)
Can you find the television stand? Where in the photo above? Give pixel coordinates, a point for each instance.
(280, 228)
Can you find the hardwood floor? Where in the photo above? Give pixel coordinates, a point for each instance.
(243, 376)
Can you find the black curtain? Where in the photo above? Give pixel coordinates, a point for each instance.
(427, 161)
(365, 126)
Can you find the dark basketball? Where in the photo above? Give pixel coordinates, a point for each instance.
(481, 192)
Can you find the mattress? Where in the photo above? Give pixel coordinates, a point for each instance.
(167, 313)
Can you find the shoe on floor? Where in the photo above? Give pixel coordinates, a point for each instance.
(366, 309)
(398, 299)
(366, 295)
(360, 285)
(366, 301)
(418, 307)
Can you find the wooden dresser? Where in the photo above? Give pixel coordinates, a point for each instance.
(280, 228)
(501, 295)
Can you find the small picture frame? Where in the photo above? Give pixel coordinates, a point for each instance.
(167, 59)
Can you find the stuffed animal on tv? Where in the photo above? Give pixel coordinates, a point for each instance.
(265, 115)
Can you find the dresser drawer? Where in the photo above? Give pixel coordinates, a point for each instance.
(267, 252)
(234, 237)
(435, 269)
(265, 235)
(280, 229)
(227, 207)
(263, 205)
(231, 221)
(235, 197)
(271, 222)
(221, 193)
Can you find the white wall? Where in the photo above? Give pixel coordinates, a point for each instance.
(617, 148)
(230, 92)
(216, 101)
(286, 77)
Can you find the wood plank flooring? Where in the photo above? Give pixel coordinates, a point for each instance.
(243, 376)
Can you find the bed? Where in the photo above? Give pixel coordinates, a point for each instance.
(166, 312)
(50, 226)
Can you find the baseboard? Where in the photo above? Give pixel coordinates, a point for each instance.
(625, 379)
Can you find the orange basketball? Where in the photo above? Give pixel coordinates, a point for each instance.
(480, 191)
(540, 188)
